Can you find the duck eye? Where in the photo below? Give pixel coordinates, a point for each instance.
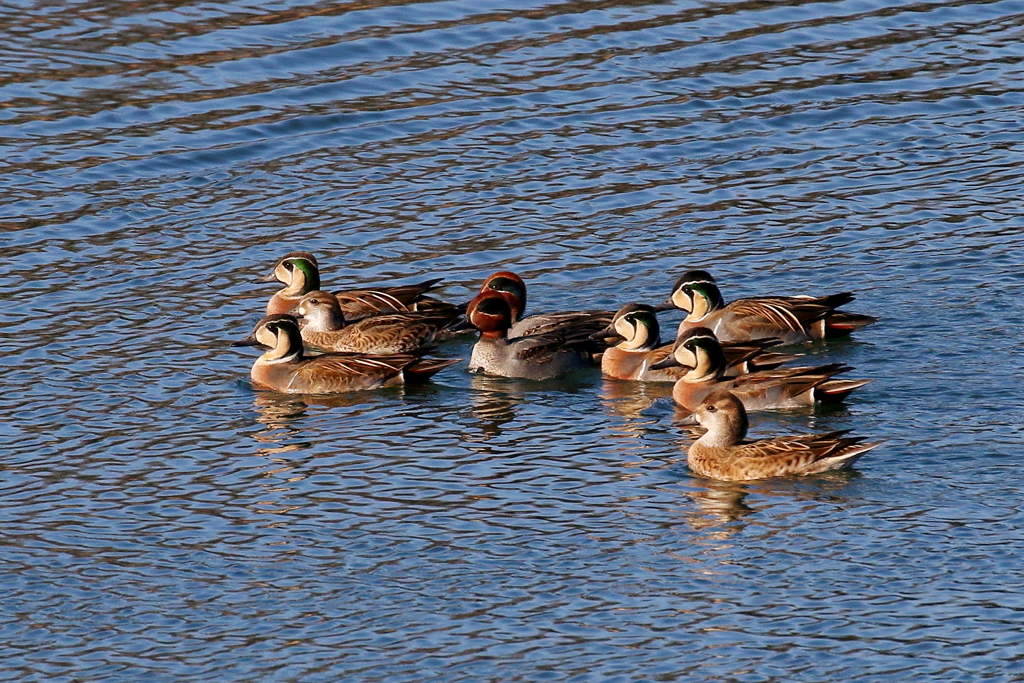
(288, 265)
(711, 409)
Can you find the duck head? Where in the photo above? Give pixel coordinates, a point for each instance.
(700, 350)
(637, 326)
(298, 271)
(696, 292)
(512, 285)
(321, 312)
(279, 335)
(491, 313)
(725, 418)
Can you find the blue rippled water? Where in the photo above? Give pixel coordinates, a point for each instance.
(165, 521)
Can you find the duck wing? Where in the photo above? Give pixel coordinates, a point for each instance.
(801, 454)
(362, 303)
(541, 348)
(744, 353)
(409, 332)
(786, 314)
(785, 387)
(573, 323)
(334, 372)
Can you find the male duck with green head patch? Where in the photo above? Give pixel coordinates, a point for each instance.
(300, 274)
(793, 319)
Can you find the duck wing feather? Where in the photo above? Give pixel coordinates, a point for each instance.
(339, 372)
(361, 303)
(801, 454)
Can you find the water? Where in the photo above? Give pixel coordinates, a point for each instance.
(164, 521)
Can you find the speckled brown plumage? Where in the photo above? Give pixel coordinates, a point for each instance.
(722, 453)
(325, 328)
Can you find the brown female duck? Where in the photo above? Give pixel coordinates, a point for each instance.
(723, 453)
(324, 327)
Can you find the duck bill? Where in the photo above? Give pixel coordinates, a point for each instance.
(249, 341)
(666, 305)
(268, 278)
(689, 421)
(666, 362)
(608, 334)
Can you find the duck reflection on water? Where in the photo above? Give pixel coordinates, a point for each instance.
(721, 509)
(284, 415)
(493, 399)
(492, 403)
(626, 403)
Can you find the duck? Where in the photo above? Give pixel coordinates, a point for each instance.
(722, 452)
(513, 288)
(300, 273)
(552, 353)
(793, 319)
(700, 352)
(284, 367)
(324, 327)
(636, 325)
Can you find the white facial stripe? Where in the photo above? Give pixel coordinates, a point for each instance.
(702, 337)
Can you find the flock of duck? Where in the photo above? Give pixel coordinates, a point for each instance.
(724, 362)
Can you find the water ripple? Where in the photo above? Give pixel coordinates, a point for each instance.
(165, 520)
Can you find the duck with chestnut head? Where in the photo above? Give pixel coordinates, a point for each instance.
(513, 288)
(558, 350)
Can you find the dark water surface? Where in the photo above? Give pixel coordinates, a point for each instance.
(164, 521)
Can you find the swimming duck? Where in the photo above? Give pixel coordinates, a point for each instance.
(324, 327)
(793, 319)
(722, 453)
(637, 326)
(283, 367)
(300, 274)
(701, 353)
(558, 350)
(514, 289)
